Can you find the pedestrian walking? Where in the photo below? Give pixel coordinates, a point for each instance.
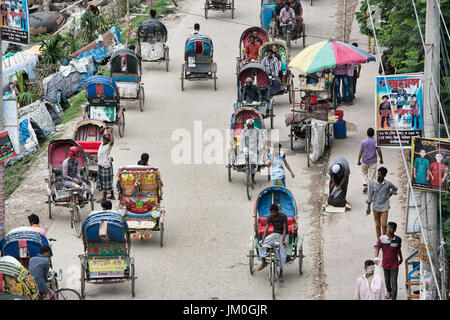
(391, 245)
(369, 286)
(339, 171)
(380, 192)
(276, 160)
(105, 170)
(340, 73)
(368, 154)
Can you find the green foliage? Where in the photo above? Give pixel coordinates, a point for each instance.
(92, 26)
(53, 52)
(24, 97)
(75, 110)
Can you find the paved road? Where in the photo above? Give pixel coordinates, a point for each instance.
(209, 220)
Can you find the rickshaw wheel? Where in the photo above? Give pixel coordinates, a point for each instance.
(161, 235)
(182, 77)
(68, 294)
(292, 138)
(83, 281)
(77, 220)
(229, 172)
(206, 9)
(300, 260)
(167, 59)
(122, 125)
(91, 195)
(141, 98)
(272, 30)
(290, 88)
(251, 262)
(273, 274)
(49, 201)
(248, 180)
(308, 147)
(303, 33)
(288, 41)
(232, 9)
(132, 279)
(215, 81)
(271, 117)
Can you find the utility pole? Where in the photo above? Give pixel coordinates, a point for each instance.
(2, 166)
(431, 129)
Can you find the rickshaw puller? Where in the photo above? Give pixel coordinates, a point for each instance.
(251, 146)
(279, 221)
(251, 92)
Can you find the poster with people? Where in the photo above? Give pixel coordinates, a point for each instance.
(15, 21)
(399, 105)
(430, 164)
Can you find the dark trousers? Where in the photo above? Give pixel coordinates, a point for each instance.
(384, 119)
(390, 279)
(337, 80)
(355, 79)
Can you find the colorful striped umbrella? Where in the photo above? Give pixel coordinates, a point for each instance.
(327, 55)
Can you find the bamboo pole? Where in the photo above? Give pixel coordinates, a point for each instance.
(345, 21)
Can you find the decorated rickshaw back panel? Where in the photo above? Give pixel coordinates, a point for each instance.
(106, 249)
(18, 281)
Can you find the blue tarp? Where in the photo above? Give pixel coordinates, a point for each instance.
(276, 195)
(99, 53)
(117, 226)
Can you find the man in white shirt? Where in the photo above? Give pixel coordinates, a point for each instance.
(369, 286)
(105, 171)
(250, 142)
(196, 30)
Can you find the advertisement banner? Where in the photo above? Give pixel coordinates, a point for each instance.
(6, 147)
(15, 21)
(399, 103)
(430, 161)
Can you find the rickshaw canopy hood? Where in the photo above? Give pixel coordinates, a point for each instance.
(117, 227)
(58, 151)
(276, 195)
(15, 239)
(101, 87)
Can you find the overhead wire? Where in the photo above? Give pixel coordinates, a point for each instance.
(403, 155)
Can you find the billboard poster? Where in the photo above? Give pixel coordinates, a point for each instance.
(399, 104)
(15, 21)
(430, 161)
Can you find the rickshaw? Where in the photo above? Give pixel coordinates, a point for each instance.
(88, 134)
(140, 194)
(58, 195)
(238, 160)
(244, 40)
(310, 102)
(288, 33)
(261, 79)
(152, 38)
(126, 71)
(287, 81)
(106, 258)
(286, 203)
(267, 13)
(16, 282)
(219, 5)
(104, 102)
(198, 60)
(23, 243)
(17, 248)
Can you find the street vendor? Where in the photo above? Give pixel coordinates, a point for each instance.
(105, 169)
(250, 142)
(71, 175)
(339, 171)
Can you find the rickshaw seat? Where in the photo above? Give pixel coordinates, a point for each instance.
(262, 226)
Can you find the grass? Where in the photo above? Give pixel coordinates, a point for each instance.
(74, 110)
(15, 174)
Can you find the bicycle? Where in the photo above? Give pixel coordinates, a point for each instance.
(273, 264)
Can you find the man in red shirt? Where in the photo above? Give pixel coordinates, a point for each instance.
(252, 49)
(391, 245)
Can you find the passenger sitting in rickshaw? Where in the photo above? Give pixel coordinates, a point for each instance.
(251, 142)
(251, 50)
(287, 15)
(144, 162)
(277, 55)
(280, 234)
(278, 7)
(71, 176)
(298, 10)
(270, 64)
(250, 92)
(257, 38)
(34, 223)
(39, 267)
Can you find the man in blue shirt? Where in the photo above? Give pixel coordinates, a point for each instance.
(39, 267)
